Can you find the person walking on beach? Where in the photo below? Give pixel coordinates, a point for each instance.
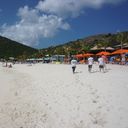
(101, 63)
(73, 63)
(90, 63)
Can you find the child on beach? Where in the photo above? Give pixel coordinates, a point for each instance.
(10, 65)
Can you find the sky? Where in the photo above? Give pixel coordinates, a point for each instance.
(45, 23)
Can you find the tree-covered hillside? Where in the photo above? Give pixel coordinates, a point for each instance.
(9, 48)
(85, 44)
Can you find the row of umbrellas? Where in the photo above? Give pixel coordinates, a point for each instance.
(120, 51)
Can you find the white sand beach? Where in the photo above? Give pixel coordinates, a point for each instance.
(51, 96)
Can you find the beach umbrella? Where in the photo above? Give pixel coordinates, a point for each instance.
(102, 48)
(11, 58)
(103, 53)
(95, 48)
(109, 48)
(88, 54)
(120, 51)
(79, 56)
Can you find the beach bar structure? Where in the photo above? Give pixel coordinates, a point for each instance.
(58, 58)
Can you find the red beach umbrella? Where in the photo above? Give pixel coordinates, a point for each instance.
(103, 53)
(88, 54)
(79, 56)
(120, 51)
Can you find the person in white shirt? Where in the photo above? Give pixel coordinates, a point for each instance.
(73, 63)
(101, 64)
(90, 63)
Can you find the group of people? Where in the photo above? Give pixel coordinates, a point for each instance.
(6, 64)
(121, 59)
(101, 61)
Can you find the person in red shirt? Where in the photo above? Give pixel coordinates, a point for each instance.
(105, 60)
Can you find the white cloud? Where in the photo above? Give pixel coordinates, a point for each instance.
(33, 26)
(47, 18)
(73, 8)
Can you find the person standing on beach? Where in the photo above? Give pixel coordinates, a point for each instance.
(73, 63)
(123, 59)
(101, 63)
(90, 63)
(105, 61)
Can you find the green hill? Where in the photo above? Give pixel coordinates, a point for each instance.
(85, 44)
(9, 48)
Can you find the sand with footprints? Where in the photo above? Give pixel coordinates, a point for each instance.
(51, 96)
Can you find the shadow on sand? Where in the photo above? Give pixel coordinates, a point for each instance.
(95, 71)
(77, 72)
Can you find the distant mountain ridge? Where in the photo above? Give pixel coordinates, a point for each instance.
(10, 48)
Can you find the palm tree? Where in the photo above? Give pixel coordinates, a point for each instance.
(86, 48)
(104, 42)
(122, 38)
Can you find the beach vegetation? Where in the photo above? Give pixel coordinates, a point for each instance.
(14, 49)
(79, 46)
